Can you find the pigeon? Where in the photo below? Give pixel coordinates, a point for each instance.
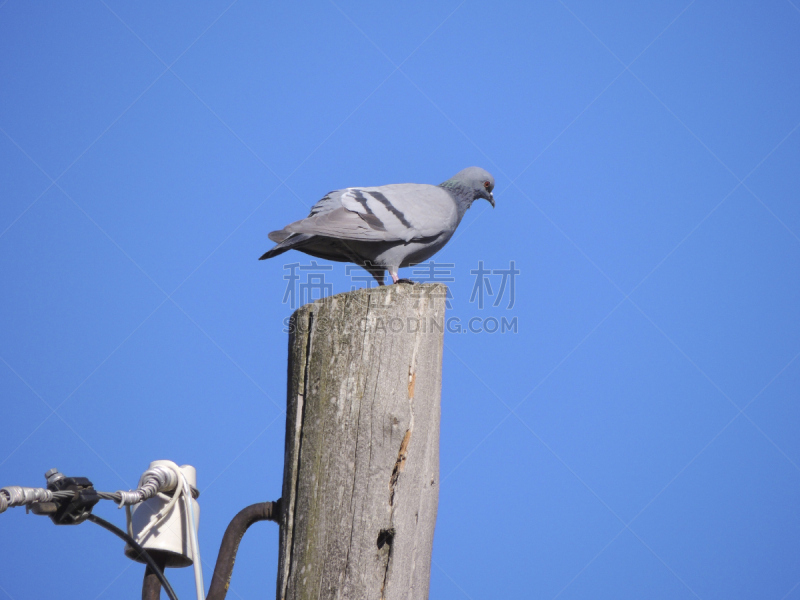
(386, 227)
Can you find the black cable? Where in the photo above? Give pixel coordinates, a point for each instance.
(143, 554)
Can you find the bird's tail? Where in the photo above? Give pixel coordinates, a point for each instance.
(285, 241)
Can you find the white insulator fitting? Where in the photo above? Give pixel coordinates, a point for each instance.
(159, 477)
(169, 537)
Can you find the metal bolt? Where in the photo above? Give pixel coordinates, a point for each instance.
(53, 475)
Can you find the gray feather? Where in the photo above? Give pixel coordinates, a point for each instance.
(385, 227)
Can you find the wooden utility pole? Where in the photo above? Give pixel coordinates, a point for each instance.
(361, 471)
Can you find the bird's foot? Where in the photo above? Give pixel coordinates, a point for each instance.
(404, 280)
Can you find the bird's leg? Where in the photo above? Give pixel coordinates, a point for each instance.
(396, 279)
(378, 273)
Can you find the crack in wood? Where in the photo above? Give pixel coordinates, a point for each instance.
(399, 466)
(385, 538)
(301, 409)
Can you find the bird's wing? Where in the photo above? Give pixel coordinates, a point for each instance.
(330, 202)
(390, 213)
(327, 204)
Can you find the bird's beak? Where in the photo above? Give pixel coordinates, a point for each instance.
(491, 199)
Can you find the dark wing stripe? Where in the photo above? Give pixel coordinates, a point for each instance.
(321, 204)
(362, 201)
(383, 200)
(370, 218)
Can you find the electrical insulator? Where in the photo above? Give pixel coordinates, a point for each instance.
(168, 540)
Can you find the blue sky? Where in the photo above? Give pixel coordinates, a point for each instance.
(636, 437)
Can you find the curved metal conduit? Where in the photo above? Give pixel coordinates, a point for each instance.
(261, 511)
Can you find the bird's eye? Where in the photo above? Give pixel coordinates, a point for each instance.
(486, 184)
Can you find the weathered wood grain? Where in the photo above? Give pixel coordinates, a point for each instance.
(361, 473)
